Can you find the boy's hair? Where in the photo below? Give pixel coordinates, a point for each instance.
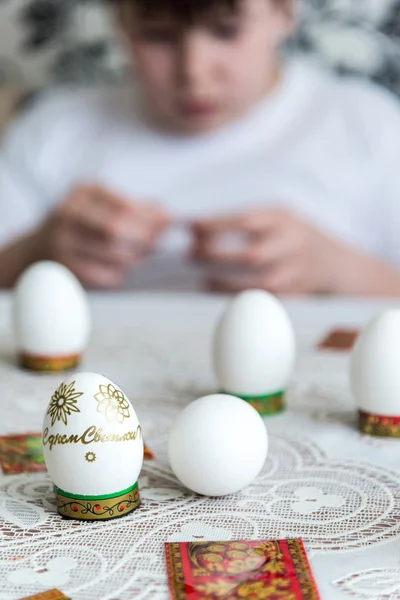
(188, 11)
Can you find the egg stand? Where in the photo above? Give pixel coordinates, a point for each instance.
(379, 426)
(267, 405)
(98, 508)
(47, 364)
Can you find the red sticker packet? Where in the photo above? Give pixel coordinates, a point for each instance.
(24, 454)
(339, 339)
(21, 454)
(50, 595)
(240, 570)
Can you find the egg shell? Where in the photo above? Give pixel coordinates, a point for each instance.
(254, 346)
(86, 407)
(375, 366)
(51, 312)
(217, 445)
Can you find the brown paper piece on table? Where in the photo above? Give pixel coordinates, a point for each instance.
(49, 595)
(340, 340)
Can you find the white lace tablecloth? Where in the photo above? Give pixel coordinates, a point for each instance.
(323, 481)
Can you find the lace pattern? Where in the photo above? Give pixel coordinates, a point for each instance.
(322, 481)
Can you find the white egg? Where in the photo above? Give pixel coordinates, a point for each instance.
(51, 318)
(93, 448)
(255, 350)
(217, 445)
(375, 374)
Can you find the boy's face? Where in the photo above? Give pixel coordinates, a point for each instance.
(201, 76)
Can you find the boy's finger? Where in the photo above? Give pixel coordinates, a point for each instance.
(216, 226)
(204, 254)
(97, 275)
(106, 197)
(272, 250)
(86, 210)
(152, 213)
(285, 280)
(257, 253)
(132, 223)
(102, 219)
(102, 196)
(112, 254)
(148, 212)
(252, 222)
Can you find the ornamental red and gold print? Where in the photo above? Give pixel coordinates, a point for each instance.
(240, 570)
(379, 426)
(21, 454)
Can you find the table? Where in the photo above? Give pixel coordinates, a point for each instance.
(323, 481)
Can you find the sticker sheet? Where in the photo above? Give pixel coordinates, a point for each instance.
(240, 570)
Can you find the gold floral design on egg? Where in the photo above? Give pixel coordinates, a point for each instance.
(112, 403)
(63, 403)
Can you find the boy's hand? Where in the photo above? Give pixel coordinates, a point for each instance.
(100, 236)
(279, 252)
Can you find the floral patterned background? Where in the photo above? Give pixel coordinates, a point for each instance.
(46, 41)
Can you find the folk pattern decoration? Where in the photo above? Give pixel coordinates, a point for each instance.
(271, 404)
(240, 570)
(21, 454)
(97, 509)
(378, 426)
(49, 364)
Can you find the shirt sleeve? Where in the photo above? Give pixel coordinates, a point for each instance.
(388, 189)
(376, 125)
(23, 201)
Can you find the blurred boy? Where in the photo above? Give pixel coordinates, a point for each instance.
(285, 176)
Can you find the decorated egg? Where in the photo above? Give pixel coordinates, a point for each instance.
(255, 350)
(217, 445)
(51, 318)
(93, 448)
(375, 375)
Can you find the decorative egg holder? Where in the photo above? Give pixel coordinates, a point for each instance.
(100, 508)
(47, 364)
(266, 406)
(379, 426)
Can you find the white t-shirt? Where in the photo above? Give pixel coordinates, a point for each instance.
(326, 147)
